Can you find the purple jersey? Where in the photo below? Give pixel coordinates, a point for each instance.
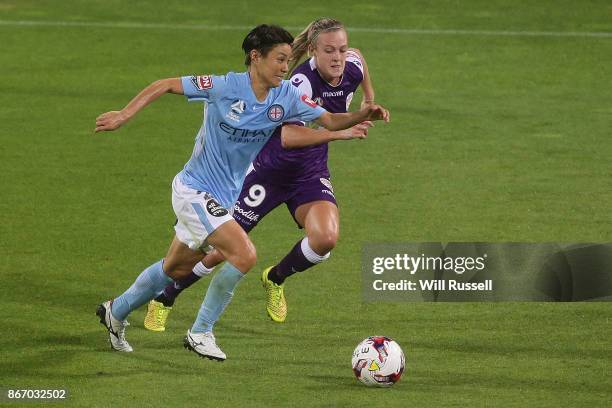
(295, 166)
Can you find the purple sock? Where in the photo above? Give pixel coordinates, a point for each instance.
(294, 261)
(172, 290)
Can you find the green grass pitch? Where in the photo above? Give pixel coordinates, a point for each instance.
(500, 131)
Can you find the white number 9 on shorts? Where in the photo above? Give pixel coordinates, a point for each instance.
(257, 193)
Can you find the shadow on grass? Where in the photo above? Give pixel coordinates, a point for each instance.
(337, 382)
(436, 381)
(494, 347)
(88, 355)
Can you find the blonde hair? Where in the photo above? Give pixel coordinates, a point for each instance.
(309, 36)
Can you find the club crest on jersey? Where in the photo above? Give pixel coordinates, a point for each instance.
(237, 107)
(276, 113)
(308, 101)
(215, 209)
(202, 82)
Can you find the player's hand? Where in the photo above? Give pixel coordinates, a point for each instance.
(359, 131)
(110, 121)
(376, 112)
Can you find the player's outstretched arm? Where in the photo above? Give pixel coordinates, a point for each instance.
(339, 121)
(295, 137)
(114, 119)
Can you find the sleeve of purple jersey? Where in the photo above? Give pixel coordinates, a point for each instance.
(354, 65)
(302, 83)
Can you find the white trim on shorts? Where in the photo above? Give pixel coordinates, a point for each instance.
(198, 214)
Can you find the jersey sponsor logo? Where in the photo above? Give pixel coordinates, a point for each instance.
(328, 94)
(246, 135)
(308, 101)
(327, 183)
(318, 100)
(215, 209)
(202, 82)
(249, 215)
(276, 113)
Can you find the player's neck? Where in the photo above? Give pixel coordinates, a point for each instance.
(333, 81)
(260, 89)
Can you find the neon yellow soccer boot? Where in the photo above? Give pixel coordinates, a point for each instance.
(276, 305)
(157, 315)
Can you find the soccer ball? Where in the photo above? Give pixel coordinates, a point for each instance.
(378, 360)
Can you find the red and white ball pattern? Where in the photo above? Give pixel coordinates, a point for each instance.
(378, 361)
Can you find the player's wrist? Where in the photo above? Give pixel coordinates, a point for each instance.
(334, 135)
(366, 111)
(124, 115)
(367, 102)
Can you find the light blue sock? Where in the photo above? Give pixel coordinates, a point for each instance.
(147, 285)
(218, 296)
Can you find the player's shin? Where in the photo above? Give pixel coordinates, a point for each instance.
(171, 291)
(300, 258)
(148, 284)
(218, 296)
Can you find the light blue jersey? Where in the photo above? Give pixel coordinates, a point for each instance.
(235, 128)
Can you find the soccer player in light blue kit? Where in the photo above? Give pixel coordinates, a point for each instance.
(241, 112)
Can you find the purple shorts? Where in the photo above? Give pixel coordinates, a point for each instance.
(259, 196)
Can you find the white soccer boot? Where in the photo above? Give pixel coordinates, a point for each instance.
(116, 328)
(204, 345)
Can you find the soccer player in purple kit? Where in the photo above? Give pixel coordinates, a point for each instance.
(298, 177)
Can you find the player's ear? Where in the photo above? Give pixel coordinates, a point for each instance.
(255, 55)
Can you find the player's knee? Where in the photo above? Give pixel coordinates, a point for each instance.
(177, 271)
(250, 258)
(246, 259)
(324, 242)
